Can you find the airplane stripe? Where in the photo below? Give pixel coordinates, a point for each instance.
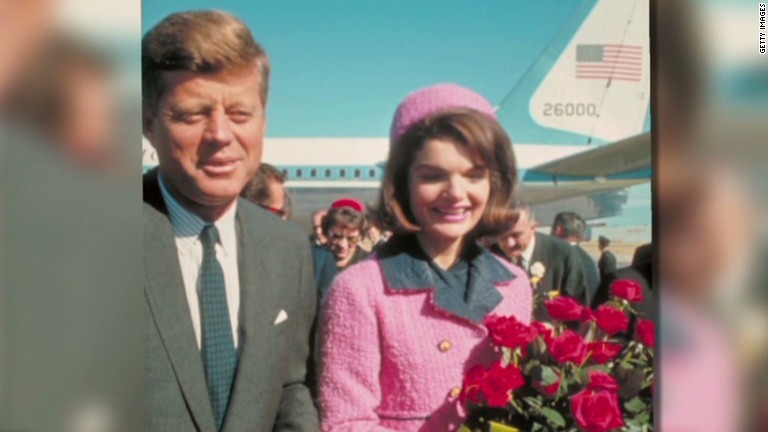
(609, 73)
(617, 68)
(630, 47)
(606, 77)
(612, 62)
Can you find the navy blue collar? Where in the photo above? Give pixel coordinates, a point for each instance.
(407, 268)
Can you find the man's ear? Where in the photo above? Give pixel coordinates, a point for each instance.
(147, 121)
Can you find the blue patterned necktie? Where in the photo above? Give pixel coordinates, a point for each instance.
(218, 348)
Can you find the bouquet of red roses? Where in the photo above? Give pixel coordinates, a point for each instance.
(587, 370)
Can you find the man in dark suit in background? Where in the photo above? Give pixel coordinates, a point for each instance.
(553, 264)
(228, 286)
(570, 227)
(607, 262)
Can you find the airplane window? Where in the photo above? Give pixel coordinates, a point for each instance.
(343, 173)
(298, 173)
(372, 173)
(327, 173)
(313, 173)
(357, 173)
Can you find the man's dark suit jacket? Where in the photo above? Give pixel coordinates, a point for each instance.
(606, 264)
(563, 270)
(275, 270)
(590, 272)
(325, 269)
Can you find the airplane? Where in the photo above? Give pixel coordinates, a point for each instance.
(584, 105)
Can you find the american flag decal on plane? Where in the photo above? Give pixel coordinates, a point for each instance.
(609, 61)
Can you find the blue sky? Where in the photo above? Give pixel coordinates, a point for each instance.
(341, 67)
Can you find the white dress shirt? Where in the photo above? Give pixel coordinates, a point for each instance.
(187, 228)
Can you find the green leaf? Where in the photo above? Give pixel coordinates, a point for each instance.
(643, 419)
(548, 375)
(639, 423)
(528, 368)
(581, 376)
(533, 401)
(553, 416)
(597, 368)
(635, 405)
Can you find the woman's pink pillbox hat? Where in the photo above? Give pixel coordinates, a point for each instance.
(433, 99)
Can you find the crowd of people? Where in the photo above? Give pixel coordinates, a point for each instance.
(370, 323)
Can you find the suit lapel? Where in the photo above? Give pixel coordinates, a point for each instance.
(257, 311)
(164, 287)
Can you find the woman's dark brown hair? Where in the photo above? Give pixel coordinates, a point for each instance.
(470, 129)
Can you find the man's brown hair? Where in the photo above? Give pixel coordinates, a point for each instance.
(257, 190)
(204, 42)
(472, 130)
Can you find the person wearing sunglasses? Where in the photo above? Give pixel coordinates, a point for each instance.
(343, 227)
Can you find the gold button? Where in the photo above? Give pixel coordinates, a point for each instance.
(455, 392)
(445, 345)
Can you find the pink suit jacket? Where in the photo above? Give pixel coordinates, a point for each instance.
(394, 356)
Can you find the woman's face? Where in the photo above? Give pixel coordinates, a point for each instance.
(449, 187)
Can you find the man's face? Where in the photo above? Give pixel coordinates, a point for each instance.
(514, 242)
(208, 131)
(343, 243)
(558, 231)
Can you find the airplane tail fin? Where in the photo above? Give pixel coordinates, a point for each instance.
(592, 83)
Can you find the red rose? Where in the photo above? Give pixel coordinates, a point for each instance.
(544, 330)
(509, 332)
(603, 352)
(564, 309)
(472, 387)
(569, 347)
(597, 411)
(611, 320)
(602, 381)
(627, 289)
(500, 382)
(646, 332)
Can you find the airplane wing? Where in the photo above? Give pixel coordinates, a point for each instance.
(615, 166)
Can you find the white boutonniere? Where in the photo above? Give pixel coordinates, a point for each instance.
(537, 272)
